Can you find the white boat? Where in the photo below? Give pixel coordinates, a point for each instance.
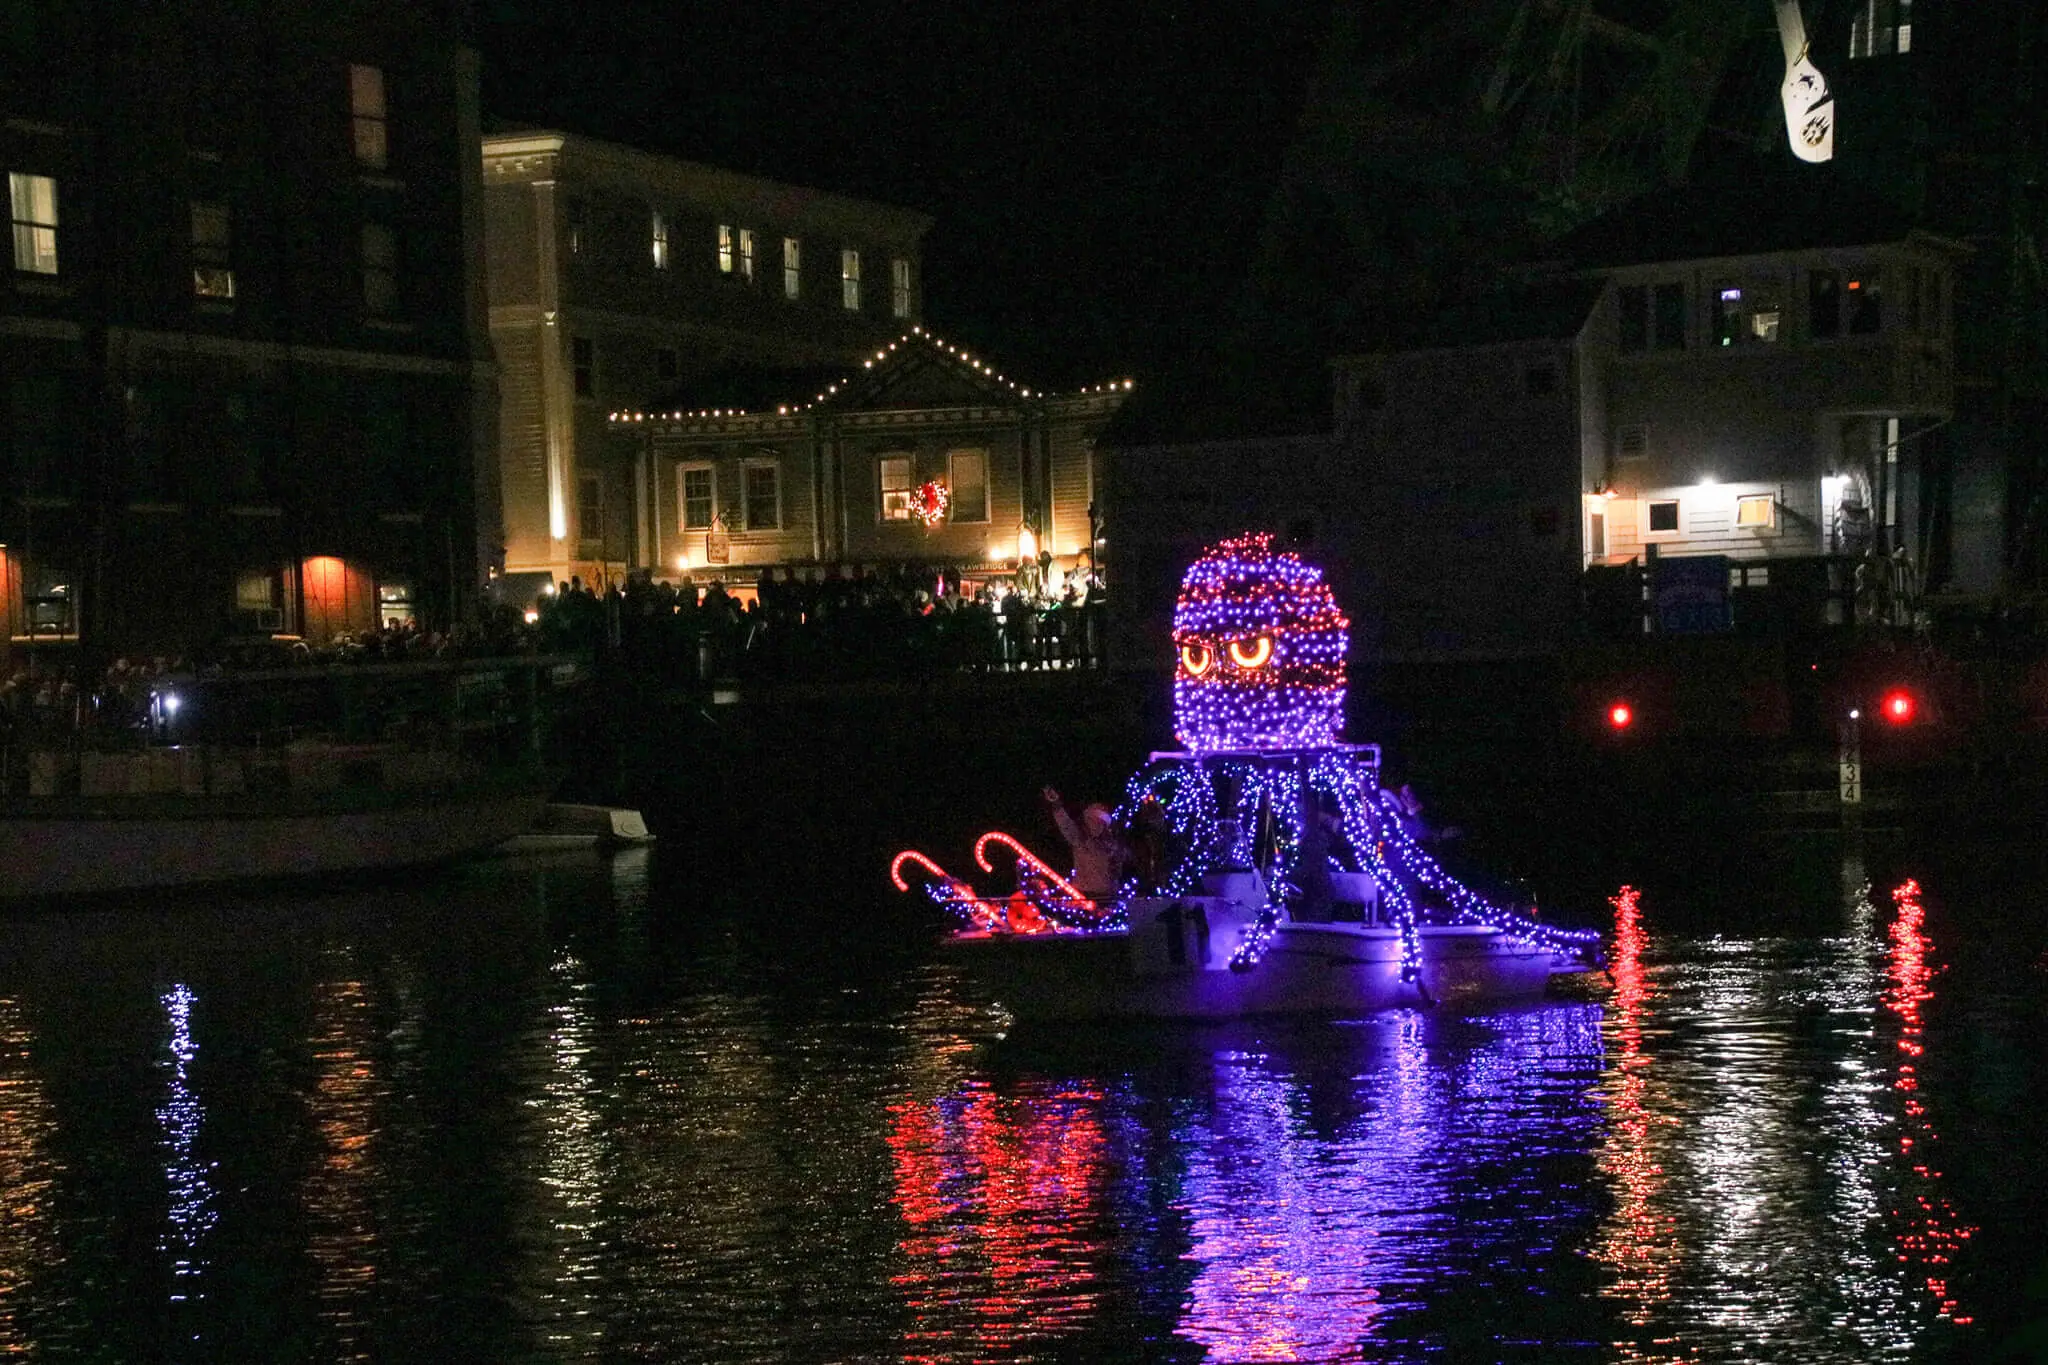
(1348, 914)
(143, 837)
(1184, 958)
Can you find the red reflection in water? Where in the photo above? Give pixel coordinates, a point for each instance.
(1004, 1200)
(1929, 1230)
(1640, 1241)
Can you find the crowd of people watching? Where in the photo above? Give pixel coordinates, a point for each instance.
(829, 624)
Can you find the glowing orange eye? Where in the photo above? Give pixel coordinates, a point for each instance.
(1196, 658)
(1252, 653)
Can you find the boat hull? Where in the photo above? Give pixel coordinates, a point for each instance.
(1337, 970)
(165, 843)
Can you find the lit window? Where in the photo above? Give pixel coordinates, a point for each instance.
(1881, 28)
(747, 254)
(1766, 313)
(380, 270)
(1757, 513)
(34, 198)
(212, 278)
(792, 268)
(583, 363)
(893, 474)
(395, 602)
(764, 497)
(967, 477)
(590, 507)
(696, 496)
(899, 288)
(725, 254)
(367, 116)
(849, 279)
(1663, 516)
(1728, 316)
(660, 230)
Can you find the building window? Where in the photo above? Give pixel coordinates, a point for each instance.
(747, 255)
(34, 198)
(665, 364)
(1632, 442)
(764, 496)
(590, 507)
(1668, 317)
(1596, 533)
(367, 117)
(380, 270)
(696, 497)
(1663, 517)
(725, 249)
(1823, 303)
(1634, 302)
(395, 606)
(574, 217)
(899, 288)
(1881, 28)
(1757, 513)
(660, 240)
(1866, 316)
(50, 602)
(792, 268)
(892, 476)
(967, 480)
(212, 277)
(583, 363)
(1728, 315)
(849, 279)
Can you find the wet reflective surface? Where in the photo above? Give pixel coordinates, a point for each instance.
(592, 1108)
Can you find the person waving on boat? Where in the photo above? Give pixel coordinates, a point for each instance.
(1099, 852)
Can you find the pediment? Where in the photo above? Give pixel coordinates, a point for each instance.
(921, 372)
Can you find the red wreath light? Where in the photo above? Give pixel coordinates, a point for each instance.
(928, 502)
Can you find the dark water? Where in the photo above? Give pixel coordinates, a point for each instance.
(633, 1109)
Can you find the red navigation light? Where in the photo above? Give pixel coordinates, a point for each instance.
(1898, 706)
(1621, 715)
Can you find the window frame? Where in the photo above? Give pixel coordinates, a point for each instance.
(658, 238)
(954, 503)
(849, 278)
(900, 294)
(1650, 506)
(586, 504)
(727, 249)
(1770, 505)
(35, 241)
(748, 468)
(884, 514)
(369, 127)
(746, 238)
(792, 268)
(709, 470)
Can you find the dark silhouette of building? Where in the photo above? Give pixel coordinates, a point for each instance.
(245, 385)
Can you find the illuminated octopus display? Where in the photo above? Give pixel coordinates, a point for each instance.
(1259, 694)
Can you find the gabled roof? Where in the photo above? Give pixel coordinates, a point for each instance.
(916, 370)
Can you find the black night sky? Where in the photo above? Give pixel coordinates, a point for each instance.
(1097, 172)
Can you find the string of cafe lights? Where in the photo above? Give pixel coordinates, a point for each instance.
(959, 354)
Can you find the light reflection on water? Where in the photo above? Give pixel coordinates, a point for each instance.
(539, 1113)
